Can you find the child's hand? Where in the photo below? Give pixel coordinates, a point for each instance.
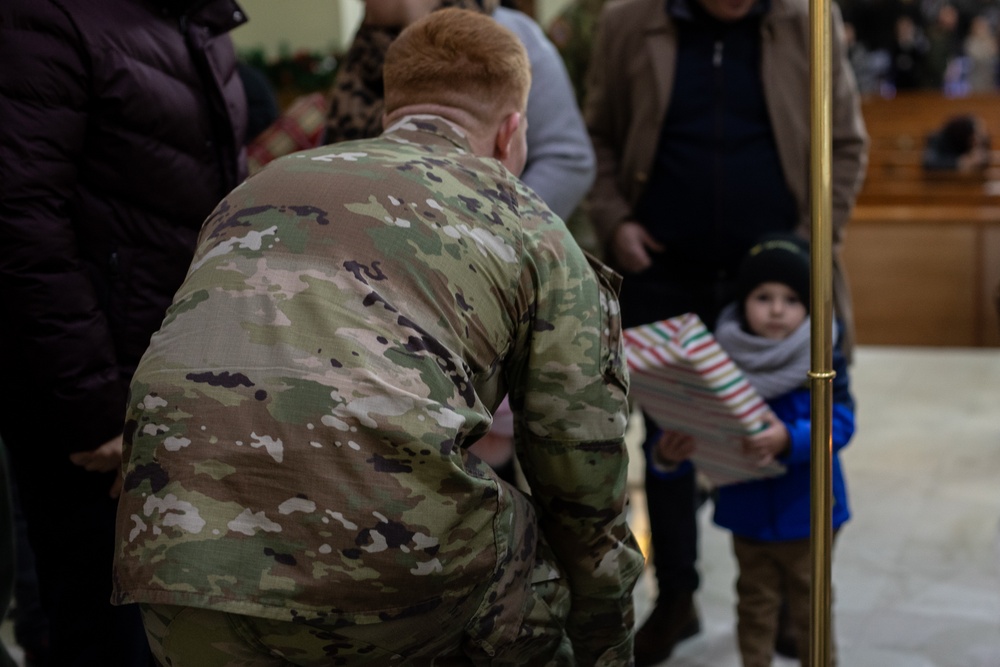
(674, 447)
(769, 443)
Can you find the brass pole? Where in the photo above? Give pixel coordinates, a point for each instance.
(821, 369)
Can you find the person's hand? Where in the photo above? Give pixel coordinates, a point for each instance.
(976, 159)
(105, 458)
(494, 449)
(674, 447)
(770, 443)
(631, 245)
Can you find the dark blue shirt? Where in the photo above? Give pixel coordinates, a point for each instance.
(717, 182)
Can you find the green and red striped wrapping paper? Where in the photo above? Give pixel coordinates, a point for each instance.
(686, 382)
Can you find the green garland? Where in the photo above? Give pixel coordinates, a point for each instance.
(300, 72)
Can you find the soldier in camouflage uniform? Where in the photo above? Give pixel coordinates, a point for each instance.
(298, 489)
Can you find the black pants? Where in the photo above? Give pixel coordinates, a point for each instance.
(71, 527)
(659, 293)
(31, 625)
(6, 549)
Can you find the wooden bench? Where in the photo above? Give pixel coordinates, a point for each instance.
(917, 191)
(898, 129)
(913, 114)
(924, 275)
(922, 249)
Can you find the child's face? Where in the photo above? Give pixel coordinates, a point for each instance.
(773, 310)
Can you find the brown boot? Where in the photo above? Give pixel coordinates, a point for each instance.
(673, 620)
(785, 642)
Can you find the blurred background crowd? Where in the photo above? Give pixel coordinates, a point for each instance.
(895, 45)
(948, 45)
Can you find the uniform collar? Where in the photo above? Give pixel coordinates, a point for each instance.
(415, 128)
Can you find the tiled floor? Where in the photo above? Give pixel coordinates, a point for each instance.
(916, 572)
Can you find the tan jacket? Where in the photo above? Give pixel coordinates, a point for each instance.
(628, 91)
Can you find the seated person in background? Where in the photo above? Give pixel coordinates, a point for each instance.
(297, 474)
(983, 54)
(908, 63)
(962, 144)
(766, 332)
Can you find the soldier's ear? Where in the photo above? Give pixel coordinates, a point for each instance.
(504, 141)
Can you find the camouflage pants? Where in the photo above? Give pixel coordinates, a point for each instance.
(515, 619)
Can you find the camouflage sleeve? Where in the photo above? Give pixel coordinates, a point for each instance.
(568, 386)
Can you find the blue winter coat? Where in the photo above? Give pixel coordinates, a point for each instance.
(778, 508)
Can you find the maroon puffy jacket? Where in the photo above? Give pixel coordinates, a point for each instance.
(121, 127)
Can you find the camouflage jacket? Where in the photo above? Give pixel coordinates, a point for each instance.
(297, 430)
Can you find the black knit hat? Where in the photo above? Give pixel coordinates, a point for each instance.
(779, 258)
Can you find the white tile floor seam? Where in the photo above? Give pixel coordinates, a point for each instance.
(916, 572)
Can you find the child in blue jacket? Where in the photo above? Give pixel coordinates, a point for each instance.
(766, 332)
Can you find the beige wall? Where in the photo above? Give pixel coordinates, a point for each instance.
(548, 9)
(318, 25)
(296, 25)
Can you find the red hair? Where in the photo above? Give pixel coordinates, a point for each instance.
(458, 58)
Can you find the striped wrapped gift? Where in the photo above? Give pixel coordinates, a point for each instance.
(686, 382)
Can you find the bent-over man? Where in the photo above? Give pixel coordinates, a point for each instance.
(298, 489)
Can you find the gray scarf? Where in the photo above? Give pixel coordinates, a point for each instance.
(773, 367)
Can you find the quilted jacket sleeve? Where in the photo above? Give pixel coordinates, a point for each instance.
(58, 335)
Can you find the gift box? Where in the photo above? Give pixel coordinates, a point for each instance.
(299, 128)
(684, 381)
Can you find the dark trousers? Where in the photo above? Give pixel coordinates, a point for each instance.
(31, 626)
(71, 526)
(6, 549)
(674, 533)
(660, 293)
